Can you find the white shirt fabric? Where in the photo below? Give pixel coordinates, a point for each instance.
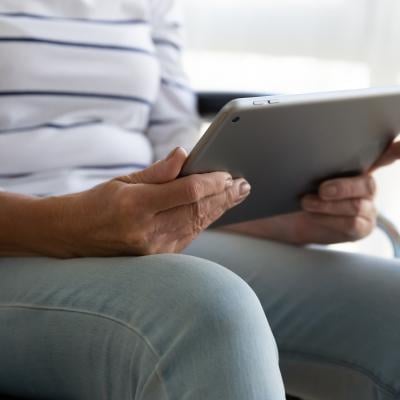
(89, 89)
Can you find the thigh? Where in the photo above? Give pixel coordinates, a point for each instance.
(159, 327)
(66, 327)
(335, 316)
(89, 328)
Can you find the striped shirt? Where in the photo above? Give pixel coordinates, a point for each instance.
(89, 89)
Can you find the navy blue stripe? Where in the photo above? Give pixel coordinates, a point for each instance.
(51, 126)
(174, 25)
(102, 96)
(164, 42)
(72, 19)
(168, 82)
(159, 122)
(115, 166)
(132, 166)
(12, 176)
(76, 44)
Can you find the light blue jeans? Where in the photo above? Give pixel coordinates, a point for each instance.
(185, 328)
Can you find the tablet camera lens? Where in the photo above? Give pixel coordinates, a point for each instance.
(236, 119)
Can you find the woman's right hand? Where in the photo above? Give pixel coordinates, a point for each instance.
(148, 212)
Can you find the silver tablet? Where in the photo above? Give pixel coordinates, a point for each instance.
(285, 146)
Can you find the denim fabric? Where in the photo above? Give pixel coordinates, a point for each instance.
(147, 328)
(335, 316)
(183, 328)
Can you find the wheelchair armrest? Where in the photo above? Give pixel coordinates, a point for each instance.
(209, 103)
(391, 232)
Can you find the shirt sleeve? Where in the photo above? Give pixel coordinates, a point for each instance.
(173, 120)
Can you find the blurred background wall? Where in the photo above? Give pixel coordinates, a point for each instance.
(297, 46)
(317, 44)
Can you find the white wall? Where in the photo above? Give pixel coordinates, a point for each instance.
(365, 34)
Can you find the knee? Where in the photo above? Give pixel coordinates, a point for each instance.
(182, 295)
(214, 303)
(192, 317)
(207, 290)
(189, 286)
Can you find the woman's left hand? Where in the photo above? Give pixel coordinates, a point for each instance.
(342, 211)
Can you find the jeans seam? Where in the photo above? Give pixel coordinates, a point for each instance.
(117, 321)
(345, 364)
(156, 369)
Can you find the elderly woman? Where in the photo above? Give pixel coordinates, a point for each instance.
(90, 90)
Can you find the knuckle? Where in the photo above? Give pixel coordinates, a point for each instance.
(347, 189)
(230, 199)
(199, 218)
(140, 242)
(358, 206)
(145, 247)
(138, 245)
(356, 228)
(137, 177)
(195, 209)
(365, 208)
(194, 188)
(123, 178)
(219, 180)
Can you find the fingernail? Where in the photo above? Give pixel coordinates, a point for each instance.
(330, 190)
(244, 189)
(173, 153)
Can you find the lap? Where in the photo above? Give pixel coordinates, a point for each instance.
(105, 285)
(99, 327)
(329, 311)
(68, 325)
(334, 315)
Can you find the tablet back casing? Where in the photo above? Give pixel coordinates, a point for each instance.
(286, 146)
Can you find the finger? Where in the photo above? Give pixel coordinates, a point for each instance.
(348, 188)
(189, 220)
(162, 171)
(335, 229)
(346, 208)
(188, 190)
(389, 157)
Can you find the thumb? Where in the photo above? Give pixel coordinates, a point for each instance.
(162, 171)
(389, 157)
